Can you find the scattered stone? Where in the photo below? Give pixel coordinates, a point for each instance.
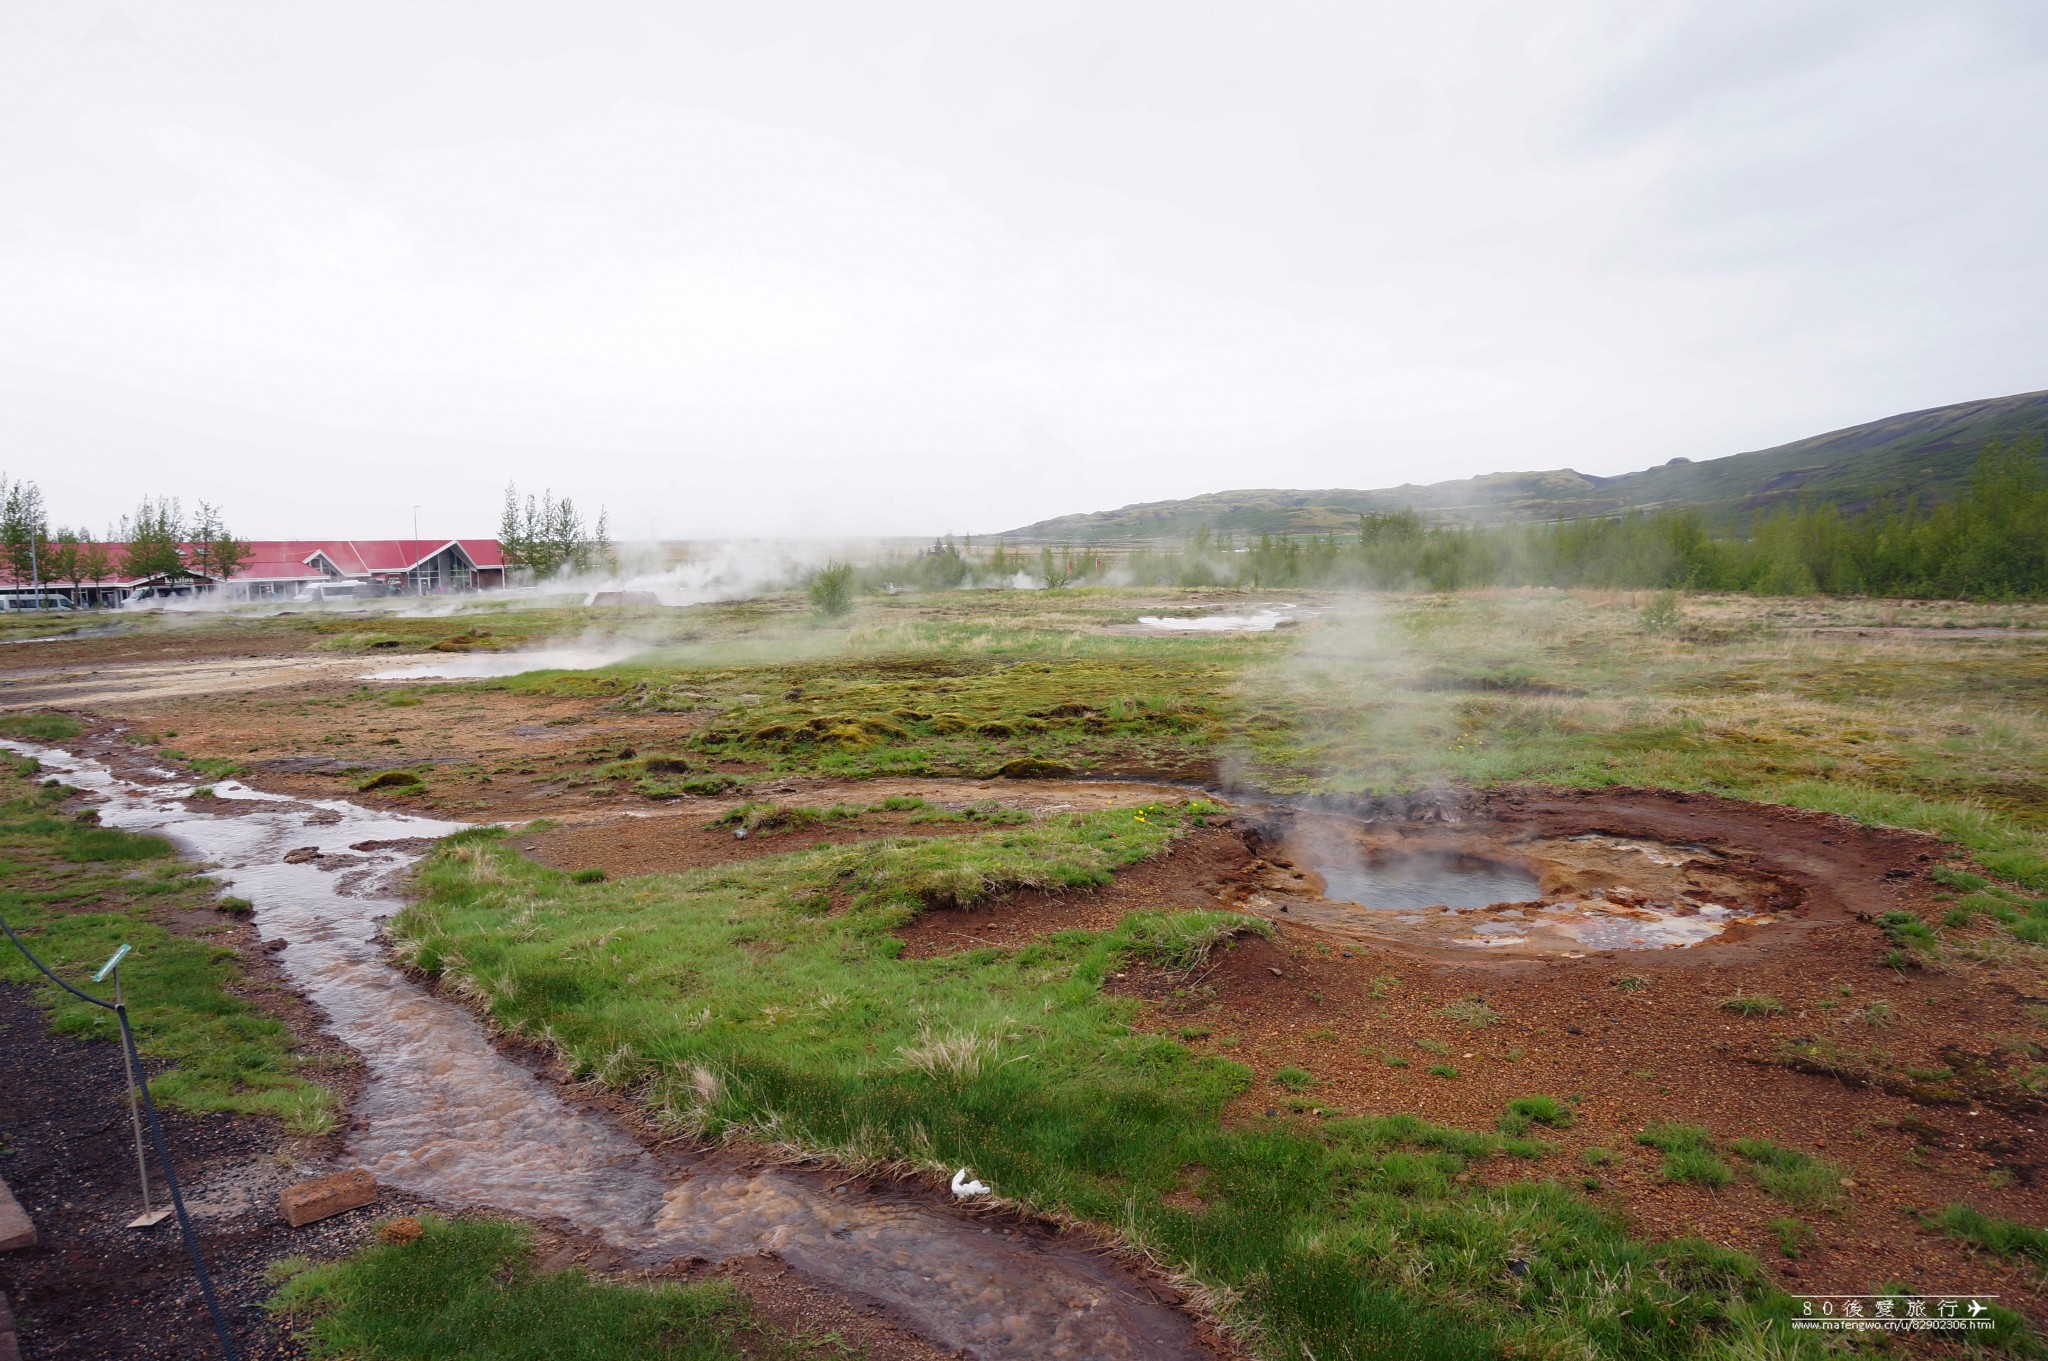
(305, 1202)
(299, 855)
(16, 1230)
(401, 1231)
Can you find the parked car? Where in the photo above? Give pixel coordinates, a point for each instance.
(336, 590)
(50, 600)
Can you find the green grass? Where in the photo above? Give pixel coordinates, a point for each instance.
(1473, 1012)
(2001, 1237)
(771, 998)
(1793, 1235)
(1295, 1079)
(40, 727)
(1524, 1111)
(1797, 1178)
(1688, 1154)
(74, 892)
(467, 1291)
(1760, 1004)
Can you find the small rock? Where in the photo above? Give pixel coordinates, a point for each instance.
(401, 1231)
(1275, 972)
(305, 1202)
(1573, 1030)
(1518, 1266)
(274, 946)
(299, 855)
(16, 1230)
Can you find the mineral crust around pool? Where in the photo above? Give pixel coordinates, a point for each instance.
(1586, 893)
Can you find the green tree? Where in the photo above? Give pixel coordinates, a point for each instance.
(215, 552)
(24, 529)
(95, 560)
(547, 535)
(155, 536)
(60, 560)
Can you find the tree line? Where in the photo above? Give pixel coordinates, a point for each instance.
(1990, 542)
(548, 535)
(158, 540)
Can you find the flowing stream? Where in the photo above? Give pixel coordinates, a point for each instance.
(445, 1116)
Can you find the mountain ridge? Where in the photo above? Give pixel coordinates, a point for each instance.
(1926, 455)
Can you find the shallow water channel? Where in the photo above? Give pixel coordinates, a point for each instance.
(445, 1116)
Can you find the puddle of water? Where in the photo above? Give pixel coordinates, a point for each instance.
(1263, 620)
(445, 1116)
(1407, 882)
(488, 665)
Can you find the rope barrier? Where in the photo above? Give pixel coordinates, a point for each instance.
(156, 1139)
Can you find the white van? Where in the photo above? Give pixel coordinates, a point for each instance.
(335, 590)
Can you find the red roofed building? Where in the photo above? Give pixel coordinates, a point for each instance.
(292, 569)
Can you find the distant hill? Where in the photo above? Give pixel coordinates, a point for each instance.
(1922, 454)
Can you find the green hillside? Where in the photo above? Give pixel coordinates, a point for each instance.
(1926, 455)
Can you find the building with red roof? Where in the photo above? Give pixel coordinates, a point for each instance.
(295, 569)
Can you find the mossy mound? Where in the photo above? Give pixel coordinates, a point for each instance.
(1032, 768)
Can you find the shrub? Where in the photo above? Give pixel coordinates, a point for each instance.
(832, 589)
(404, 780)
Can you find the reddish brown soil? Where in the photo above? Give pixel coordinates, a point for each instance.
(1669, 1050)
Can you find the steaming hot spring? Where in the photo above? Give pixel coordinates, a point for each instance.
(1483, 887)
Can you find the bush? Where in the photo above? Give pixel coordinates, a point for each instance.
(832, 589)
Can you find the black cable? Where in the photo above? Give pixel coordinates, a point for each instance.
(156, 1138)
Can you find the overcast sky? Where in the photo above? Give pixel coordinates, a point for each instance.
(840, 268)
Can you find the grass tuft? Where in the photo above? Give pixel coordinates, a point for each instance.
(466, 1290)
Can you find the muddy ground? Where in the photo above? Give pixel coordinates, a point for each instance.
(1631, 1037)
(91, 1289)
